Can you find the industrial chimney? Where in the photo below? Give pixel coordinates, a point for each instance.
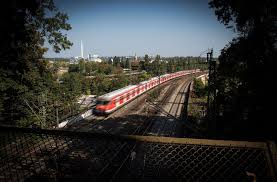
(82, 50)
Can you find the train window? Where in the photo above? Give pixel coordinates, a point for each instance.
(133, 93)
(145, 86)
(138, 91)
(128, 96)
(121, 100)
(102, 102)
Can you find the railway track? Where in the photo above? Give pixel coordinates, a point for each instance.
(177, 108)
(168, 128)
(170, 106)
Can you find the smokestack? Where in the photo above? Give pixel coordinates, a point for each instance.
(82, 50)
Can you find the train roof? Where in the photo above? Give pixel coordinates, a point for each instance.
(164, 75)
(110, 95)
(154, 78)
(144, 82)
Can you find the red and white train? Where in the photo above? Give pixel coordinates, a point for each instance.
(110, 102)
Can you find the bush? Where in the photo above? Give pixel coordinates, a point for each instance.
(200, 89)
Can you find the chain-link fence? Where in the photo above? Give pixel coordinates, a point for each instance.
(45, 155)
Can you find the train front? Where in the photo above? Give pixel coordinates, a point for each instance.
(102, 106)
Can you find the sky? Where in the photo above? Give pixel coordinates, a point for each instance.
(129, 27)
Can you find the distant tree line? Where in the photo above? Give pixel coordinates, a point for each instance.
(154, 67)
(171, 64)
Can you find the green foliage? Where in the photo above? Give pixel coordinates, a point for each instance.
(141, 65)
(128, 64)
(147, 63)
(74, 68)
(116, 61)
(58, 64)
(200, 89)
(101, 85)
(117, 70)
(86, 84)
(245, 74)
(92, 68)
(71, 85)
(144, 76)
(27, 84)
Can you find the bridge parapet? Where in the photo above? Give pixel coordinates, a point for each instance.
(32, 154)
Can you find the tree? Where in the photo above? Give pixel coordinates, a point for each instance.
(116, 61)
(156, 65)
(82, 66)
(245, 74)
(24, 76)
(200, 89)
(101, 85)
(110, 61)
(127, 64)
(141, 65)
(71, 85)
(147, 62)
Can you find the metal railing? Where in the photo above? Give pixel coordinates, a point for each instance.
(54, 155)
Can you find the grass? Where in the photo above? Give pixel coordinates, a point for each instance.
(197, 108)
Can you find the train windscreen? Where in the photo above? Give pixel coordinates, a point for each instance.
(102, 102)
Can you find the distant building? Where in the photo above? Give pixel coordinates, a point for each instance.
(94, 58)
(74, 60)
(136, 58)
